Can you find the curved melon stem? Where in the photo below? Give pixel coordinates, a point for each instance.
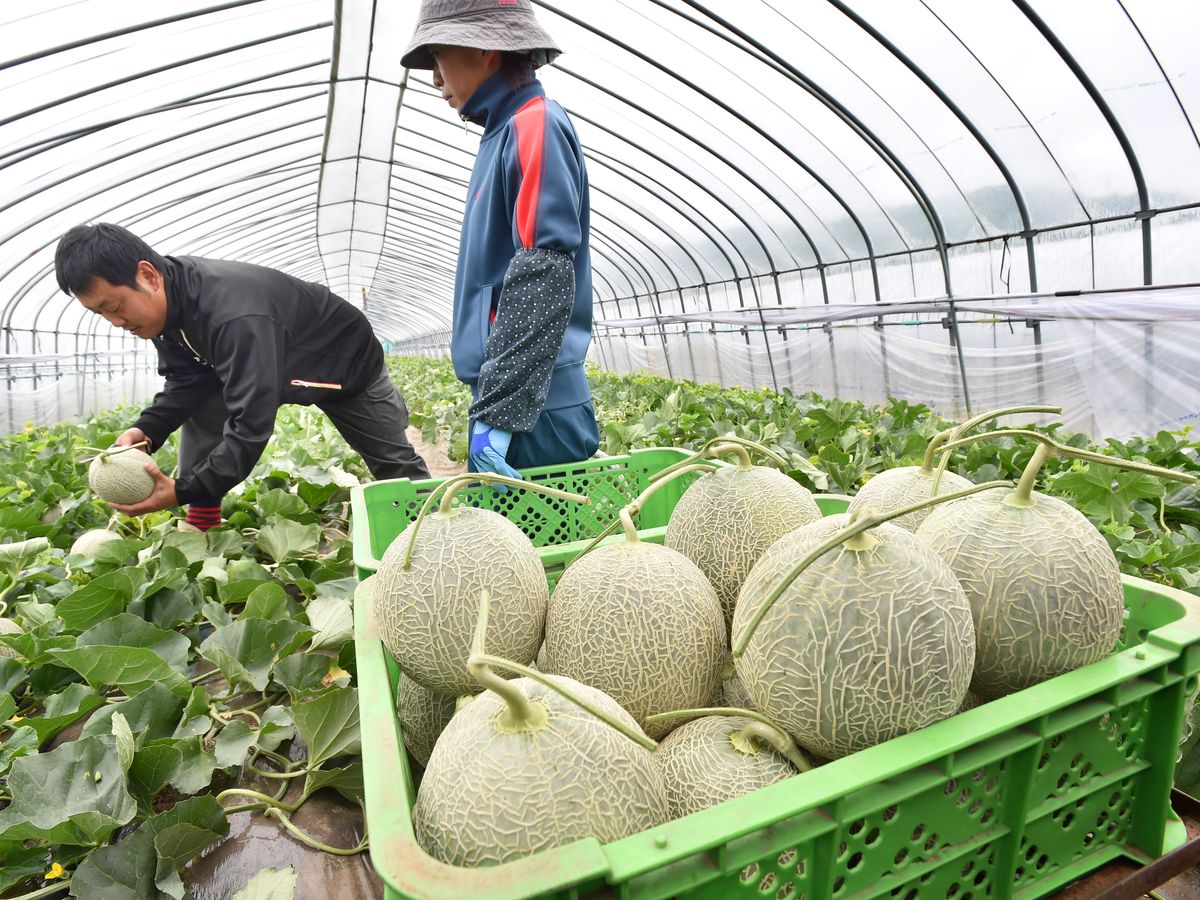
(866, 522)
(951, 434)
(103, 455)
(451, 486)
(625, 516)
(1023, 494)
(721, 446)
(760, 728)
(521, 715)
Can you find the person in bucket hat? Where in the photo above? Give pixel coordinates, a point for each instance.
(523, 287)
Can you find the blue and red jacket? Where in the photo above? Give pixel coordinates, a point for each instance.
(523, 291)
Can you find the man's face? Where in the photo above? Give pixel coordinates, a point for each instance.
(459, 71)
(141, 311)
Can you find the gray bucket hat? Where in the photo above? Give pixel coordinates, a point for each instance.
(482, 24)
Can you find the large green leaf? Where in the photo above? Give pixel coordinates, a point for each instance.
(246, 650)
(328, 724)
(285, 539)
(333, 620)
(8, 706)
(125, 630)
(232, 743)
(146, 864)
(133, 669)
(100, 598)
(268, 600)
(22, 741)
(63, 708)
(76, 794)
(347, 781)
(302, 674)
(151, 715)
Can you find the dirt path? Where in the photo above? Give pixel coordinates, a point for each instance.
(440, 465)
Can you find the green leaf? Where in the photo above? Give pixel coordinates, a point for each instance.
(328, 724)
(151, 715)
(154, 765)
(270, 884)
(37, 644)
(61, 709)
(277, 727)
(285, 539)
(194, 721)
(76, 794)
(302, 673)
(21, 863)
(347, 781)
(195, 768)
(232, 743)
(126, 630)
(8, 706)
(133, 669)
(268, 600)
(246, 650)
(192, 544)
(333, 620)
(100, 598)
(146, 864)
(1104, 493)
(280, 503)
(22, 742)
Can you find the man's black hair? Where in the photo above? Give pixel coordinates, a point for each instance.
(103, 251)
(517, 68)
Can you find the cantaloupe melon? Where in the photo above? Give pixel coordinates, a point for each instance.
(718, 757)
(423, 716)
(429, 581)
(640, 622)
(1043, 584)
(90, 541)
(121, 477)
(727, 519)
(846, 639)
(522, 768)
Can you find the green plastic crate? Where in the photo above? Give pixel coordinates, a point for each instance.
(1015, 798)
(558, 528)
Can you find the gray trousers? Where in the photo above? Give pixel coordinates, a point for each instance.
(373, 423)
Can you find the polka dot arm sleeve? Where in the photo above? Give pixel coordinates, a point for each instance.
(531, 319)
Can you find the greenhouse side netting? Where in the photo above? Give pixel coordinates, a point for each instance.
(861, 199)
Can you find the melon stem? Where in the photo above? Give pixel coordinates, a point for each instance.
(521, 715)
(951, 434)
(634, 507)
(864, 523)
(720, 446)
(635, 735)
(451, 486)
(760, 727)
(1023, 494)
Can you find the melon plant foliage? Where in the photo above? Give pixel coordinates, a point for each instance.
(226, 597)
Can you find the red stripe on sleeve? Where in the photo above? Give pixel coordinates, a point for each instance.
(530, 123)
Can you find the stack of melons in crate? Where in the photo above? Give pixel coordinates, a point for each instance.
(759, 640)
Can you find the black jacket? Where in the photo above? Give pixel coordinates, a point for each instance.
(261, 339)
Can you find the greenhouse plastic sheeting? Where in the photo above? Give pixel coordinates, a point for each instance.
(1118, 363)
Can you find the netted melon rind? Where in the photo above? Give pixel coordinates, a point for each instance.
(427, 614)
(702, 767)
(488, 797)
(728, 518)
(903, 486)
(1044, 586)
(8, 626)
(641, 623)
(862, 647)
(122, 477)
(423, 716)
(90, 541)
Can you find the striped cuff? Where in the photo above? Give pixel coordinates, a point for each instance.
(203, 517)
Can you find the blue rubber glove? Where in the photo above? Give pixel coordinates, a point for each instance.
(489, 446)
